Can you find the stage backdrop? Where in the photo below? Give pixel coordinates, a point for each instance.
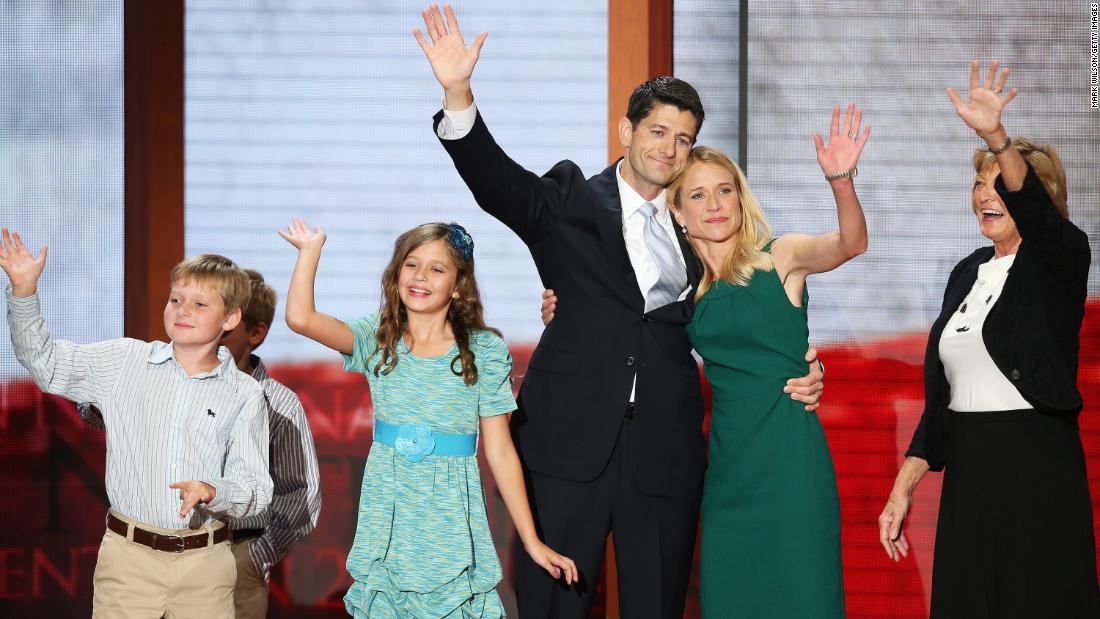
(323, 110)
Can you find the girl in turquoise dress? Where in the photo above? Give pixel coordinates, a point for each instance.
(770, 540)
(439, 377)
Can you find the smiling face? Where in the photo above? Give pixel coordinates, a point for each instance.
(426, 279)
(708, 203)
(657, 148)
(996, 223)
(195, 314)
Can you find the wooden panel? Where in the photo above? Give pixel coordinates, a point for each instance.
(639, 47)
(154, 160)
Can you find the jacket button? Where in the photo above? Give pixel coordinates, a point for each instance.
(1015, 374)
(630, 360)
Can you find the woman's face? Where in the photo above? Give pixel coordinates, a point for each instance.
(996, 224)
(709, 204)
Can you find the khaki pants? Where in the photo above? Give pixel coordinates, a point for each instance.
(133, 581)
(250, 595)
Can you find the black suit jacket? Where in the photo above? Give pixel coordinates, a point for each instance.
(578, 382)
(1032, 330)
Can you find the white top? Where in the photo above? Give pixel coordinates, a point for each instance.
(457, 124)
(977, 384)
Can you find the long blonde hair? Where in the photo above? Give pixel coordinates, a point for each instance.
(1046, 163)
(748, 256)
(465, 314)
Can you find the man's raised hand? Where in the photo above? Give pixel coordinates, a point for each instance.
(20, 264)
(452, 61)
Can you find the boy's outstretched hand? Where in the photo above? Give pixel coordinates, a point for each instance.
(21, 266)
(192, 493)
(299, 235)
(556, 565)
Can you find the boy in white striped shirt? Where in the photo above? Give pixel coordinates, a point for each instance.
(178, 411)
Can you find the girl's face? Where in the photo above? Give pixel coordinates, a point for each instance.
(426, 281)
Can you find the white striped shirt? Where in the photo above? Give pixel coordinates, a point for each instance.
(163, 426)
(296, 505)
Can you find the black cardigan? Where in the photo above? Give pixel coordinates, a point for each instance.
(1032, 330)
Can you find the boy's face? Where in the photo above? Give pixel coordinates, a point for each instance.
(242, 340)
(195, 314)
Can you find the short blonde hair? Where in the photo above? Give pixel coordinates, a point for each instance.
(748, 256)
(219, 273)
(261, 301)
(1046, 163)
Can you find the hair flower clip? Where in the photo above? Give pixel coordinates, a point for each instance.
(461, 240)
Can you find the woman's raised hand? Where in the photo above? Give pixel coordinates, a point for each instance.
(982, 109)
(452, 61)
(842, 152)
(299, 235)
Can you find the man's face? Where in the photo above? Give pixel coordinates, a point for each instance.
(657, 148)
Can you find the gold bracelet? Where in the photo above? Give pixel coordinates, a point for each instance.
(1003, 147)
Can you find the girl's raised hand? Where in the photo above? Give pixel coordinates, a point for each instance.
(982, 109)
(20, 264)
(556, 565)
(299, 235)
(842, 152)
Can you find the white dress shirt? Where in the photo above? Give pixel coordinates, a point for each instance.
(977, 384)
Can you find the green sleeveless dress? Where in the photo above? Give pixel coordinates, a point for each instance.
(770, 542)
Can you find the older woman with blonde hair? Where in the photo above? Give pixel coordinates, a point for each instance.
(1015, 532)
(771, 515)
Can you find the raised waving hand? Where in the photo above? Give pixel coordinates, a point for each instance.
(842, 152)
(982, 109)
(451, 59)
(300, 236)
(19, 263)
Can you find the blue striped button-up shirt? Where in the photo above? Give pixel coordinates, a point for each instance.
(163, 426)
(297, 502)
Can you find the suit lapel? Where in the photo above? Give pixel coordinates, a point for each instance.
(609, 220)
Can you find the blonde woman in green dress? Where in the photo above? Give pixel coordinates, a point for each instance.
(770, 544)
(439, 377)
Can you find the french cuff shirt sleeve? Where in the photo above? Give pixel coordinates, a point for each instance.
(456, 124)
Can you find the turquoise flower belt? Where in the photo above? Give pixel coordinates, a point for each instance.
(416, 441)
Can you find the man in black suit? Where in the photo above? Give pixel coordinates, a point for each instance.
(609, 425)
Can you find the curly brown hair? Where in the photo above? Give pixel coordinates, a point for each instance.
(465, 314)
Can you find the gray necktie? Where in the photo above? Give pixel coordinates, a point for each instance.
(673, 278)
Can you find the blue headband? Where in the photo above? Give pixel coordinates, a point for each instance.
(461, 240)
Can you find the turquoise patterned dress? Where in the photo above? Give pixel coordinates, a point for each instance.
(422, 544)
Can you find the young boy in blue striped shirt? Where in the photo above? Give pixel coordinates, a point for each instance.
(187, 436)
